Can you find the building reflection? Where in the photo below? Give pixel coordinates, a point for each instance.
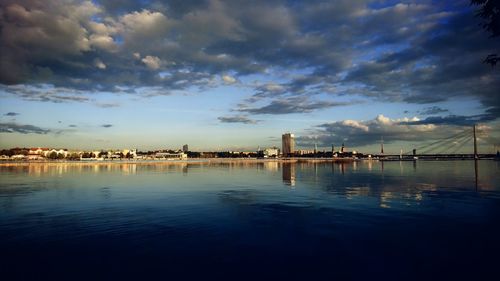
(271, 166)
(288, 170)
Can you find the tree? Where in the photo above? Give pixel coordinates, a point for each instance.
(52, 155)
(489, 12)
(73, 156)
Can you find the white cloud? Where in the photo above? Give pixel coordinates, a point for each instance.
(104, 42)
(371, 131)
(355, 124)
(152, 62)
(99, 64)
(144, 24)
(228, 79)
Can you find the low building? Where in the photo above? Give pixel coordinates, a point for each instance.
(170, 156)
(271, 152)
(39, 151)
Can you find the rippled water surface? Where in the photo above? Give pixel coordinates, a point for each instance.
(364, 220)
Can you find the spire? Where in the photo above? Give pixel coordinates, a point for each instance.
(475, 142)
(382, 145)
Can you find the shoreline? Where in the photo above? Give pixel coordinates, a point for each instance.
(191, 161)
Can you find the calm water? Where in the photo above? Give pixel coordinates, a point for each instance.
(391, 221)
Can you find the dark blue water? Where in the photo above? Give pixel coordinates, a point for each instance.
(391, 221)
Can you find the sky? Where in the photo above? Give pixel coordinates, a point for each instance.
(235, 75)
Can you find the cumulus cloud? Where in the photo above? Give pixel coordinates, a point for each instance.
(237, 119)
(392, 52)
(152, 62)
(99, 64)
(22, 129)
(228, 79)
(11, 114)
(359, 133)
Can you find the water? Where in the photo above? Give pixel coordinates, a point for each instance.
(394, 221)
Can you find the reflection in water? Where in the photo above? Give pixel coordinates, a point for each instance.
(271, 166)
(149, 217)
(288, 173)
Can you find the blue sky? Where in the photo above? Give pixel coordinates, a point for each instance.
(235, 75)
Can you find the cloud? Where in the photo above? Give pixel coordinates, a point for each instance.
(22, 129)
(228, 79)
(106, 125)
(107, 104)
(432, 110)
(455, 120)
(99, 64)
(390, 52)
(359, 133)
(152, 62)
(72, 126)
(11, 114)
(291, 105)
(237, 119)
(46, 93)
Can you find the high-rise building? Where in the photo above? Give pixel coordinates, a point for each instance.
(287, 144)
(185, 148)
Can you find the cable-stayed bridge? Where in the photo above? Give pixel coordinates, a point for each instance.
(461, 145)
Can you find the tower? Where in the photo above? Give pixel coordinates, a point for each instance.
(475, 142)
(287, 144)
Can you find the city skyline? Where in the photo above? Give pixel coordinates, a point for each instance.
(236, 75)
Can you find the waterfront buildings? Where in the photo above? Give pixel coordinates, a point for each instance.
(185, 148)
(269, 152)
(170, 155)
(287, 144)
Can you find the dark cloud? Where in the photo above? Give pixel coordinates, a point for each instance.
(456, 120)
(237, 119)
(416, 52)
(432, 110)
(107, 105)
(23, 129)
(291, 105)
(72, 126)
(11, 114)
(44, 93)
(429, 70)
(106, 125)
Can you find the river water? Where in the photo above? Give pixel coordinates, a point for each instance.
(418, 220)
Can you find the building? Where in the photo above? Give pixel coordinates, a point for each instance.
(185, 148)
(170, 156)
(42, 151)
(271, 152)
(287, 144)
(305, 152)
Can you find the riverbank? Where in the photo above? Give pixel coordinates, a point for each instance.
(173, 162)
